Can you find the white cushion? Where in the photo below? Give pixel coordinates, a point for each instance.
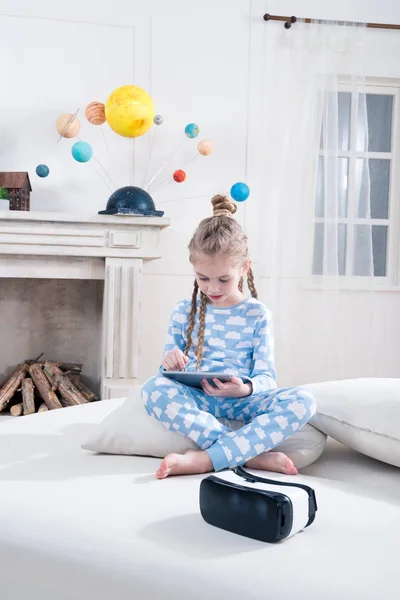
(130, 430)
(363, 414)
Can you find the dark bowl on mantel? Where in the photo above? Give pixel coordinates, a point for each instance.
(131, 200)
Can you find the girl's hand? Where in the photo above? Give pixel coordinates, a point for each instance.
(174, 360)
(235, 388)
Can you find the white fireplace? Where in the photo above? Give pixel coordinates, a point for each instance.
(110, 248)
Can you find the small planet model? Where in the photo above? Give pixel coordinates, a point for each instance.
(192, 130)
(129, 111)
(95, 113)
(240, 191)
(42, 170)
(82, 151)
(179, 176)
(68, 125)
(158, 119)
(205, 147)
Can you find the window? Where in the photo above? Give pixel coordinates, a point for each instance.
(365, 162)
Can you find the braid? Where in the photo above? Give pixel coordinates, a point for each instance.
(202, 321)
(240, 286)
(192, 315)
(250, 283)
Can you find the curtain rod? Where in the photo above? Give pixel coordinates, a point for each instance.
(289, 20)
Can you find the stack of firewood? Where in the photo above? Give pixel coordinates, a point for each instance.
(38, 386)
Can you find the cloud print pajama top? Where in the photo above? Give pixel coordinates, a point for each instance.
(237, 340)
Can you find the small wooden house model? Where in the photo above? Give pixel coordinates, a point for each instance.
(19, 189)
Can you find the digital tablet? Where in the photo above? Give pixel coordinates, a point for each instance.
(194, 378)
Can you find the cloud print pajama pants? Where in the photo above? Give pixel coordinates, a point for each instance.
(269, 418)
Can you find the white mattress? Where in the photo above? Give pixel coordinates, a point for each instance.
(74, 525)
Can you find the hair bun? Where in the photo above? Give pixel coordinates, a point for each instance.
(223, 206)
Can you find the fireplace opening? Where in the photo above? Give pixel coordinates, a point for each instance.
(58, 320)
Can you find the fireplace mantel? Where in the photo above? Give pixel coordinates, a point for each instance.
(113, 248)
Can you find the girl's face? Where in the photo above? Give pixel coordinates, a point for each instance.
(219, 279)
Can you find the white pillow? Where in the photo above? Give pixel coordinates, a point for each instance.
(363, 414)
(130, 430)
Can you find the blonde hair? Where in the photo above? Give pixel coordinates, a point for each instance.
(219, 234)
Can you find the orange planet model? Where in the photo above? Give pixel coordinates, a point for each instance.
(95, 113)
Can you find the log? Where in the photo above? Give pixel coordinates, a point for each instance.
(71, 395)
(11, 385)
(43, 387)
(42, 408)
(85, 391)
(28, 396)
(17, 410)
(74, 377)
(64, 366)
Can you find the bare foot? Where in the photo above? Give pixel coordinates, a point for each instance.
(191, 463)
(273, 461)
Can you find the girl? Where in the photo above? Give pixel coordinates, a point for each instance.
(222, 330)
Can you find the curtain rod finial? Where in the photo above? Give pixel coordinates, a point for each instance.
(288, 24)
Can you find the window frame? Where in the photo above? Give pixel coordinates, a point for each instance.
(392, 278)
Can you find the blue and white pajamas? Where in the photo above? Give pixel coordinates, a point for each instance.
(238, 340)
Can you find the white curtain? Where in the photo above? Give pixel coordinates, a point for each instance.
(315, 238)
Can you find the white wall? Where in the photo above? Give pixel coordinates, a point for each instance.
(201, 62)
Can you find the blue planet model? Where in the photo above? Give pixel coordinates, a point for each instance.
(42, 170)
(82, 151)
(240, 191)
(192, 130)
